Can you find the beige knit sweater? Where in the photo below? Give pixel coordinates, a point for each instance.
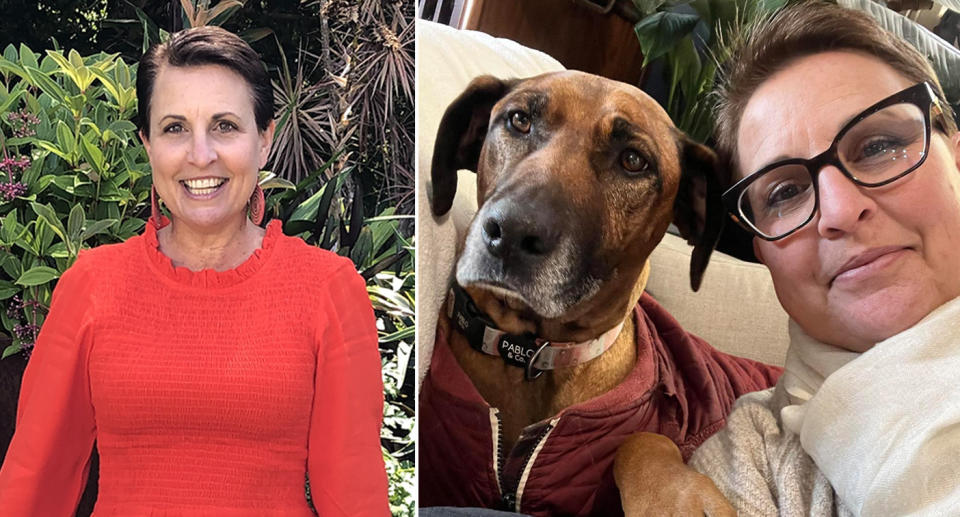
(761, 467)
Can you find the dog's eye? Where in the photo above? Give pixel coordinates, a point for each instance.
(519, 121)
(632, 161)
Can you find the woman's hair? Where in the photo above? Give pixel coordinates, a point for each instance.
(205, 46)
(798, 31)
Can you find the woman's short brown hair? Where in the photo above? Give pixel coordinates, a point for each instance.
(206, 46)
(798, 31)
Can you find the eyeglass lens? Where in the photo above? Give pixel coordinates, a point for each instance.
(877, 149)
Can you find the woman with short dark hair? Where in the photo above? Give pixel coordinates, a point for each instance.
(846, 164)
(217, 364)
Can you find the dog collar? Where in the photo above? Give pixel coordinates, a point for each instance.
(525, 350)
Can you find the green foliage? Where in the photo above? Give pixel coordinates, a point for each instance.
(393, 300)
(676, 31)
(72, 173)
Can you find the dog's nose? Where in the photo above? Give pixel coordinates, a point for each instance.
(510, 230)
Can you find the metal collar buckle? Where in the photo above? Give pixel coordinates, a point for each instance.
(532, 373)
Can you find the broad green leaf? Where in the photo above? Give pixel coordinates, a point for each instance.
(26, 245)
(10, 350)
(307, 210)
(7, 289)
(8, 228)
(90, 125)
(364, 246)
(34, 106)
(49, 216)
(31, 176)
(48, 65)
(66, 67)
(659, 33)
(103, 62)
(98, 227)
(93, 154)
(12, 98)
(75, 60)
(10, 53)
(27, 56)
(75, 221)
(65, 138)
(59, 251)
(47, 85)
(108, 83)
(37, 275)
(686, 63)
(43, 238)
(119, 126)
(10, 265)
(122, 74)
(130, 227)
(54, 149)
(11, 67)
(77, 103)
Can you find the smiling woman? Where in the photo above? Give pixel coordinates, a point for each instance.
(207, 102)
(206, 400)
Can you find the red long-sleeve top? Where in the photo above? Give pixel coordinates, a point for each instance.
(208, 393)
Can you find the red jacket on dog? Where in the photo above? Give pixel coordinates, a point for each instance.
(680, 387)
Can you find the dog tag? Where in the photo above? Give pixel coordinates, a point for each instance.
(517, 350)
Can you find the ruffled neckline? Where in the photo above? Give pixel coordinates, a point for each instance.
(209, 277)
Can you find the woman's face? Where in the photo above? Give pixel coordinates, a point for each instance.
(873, 261)
(204, 147)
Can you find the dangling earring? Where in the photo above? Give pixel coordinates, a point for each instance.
(257, 206)
(155, 212)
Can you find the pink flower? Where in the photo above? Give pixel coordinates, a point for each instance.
(10, 191)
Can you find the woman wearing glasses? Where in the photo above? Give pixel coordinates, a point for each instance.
(846, 163)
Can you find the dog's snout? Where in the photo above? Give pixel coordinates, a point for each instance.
(518, 232)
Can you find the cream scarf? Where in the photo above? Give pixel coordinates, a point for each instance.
(883, 426)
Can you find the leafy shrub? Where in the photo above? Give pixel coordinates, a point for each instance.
(71, 175)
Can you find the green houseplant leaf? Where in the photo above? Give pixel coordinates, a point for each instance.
(660, 32)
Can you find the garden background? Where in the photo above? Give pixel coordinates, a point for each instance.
(73, 173)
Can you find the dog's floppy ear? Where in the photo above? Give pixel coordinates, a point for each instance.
(698, 211)
(460, 137)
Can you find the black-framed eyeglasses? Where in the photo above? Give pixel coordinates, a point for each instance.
(885, 142)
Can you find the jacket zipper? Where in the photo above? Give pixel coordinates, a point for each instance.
(511, 499)
(497, 447)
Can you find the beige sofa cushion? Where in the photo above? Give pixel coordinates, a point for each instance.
(735, 309)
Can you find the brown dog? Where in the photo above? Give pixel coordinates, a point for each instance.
(578, 180)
